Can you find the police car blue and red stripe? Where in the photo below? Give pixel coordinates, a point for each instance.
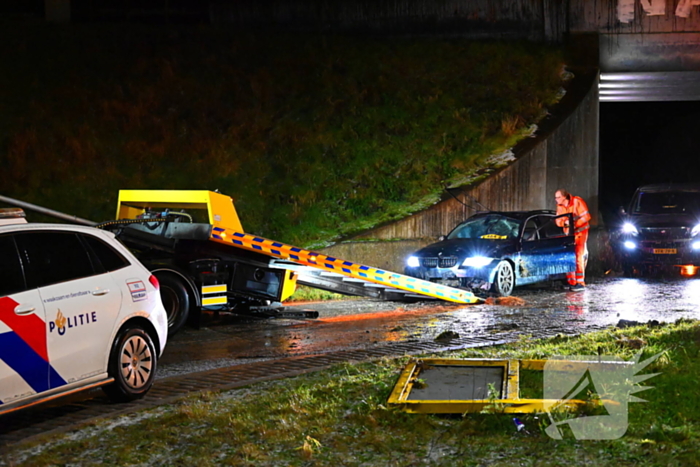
(77, 310)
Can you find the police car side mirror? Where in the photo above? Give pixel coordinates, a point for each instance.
(622, 211)
(441, 238)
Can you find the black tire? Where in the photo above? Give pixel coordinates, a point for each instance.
(504, 281)
(132, 364)
(176, 300)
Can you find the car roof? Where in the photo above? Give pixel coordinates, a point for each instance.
(24, 227)
(661, 187)
(518, 215)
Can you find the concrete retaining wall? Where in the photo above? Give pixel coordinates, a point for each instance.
(531, 19)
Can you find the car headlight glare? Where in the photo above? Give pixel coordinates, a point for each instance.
(629, 228)
(477, 261)
(695, 231)
(413, 262)
(630, 245)
(695, 245)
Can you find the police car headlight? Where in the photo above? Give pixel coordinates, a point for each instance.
(477, 261)
(413, 262)
(695, 246)
(630, 245)
(695, 231)
(629, 228)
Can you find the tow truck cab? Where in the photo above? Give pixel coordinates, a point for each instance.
(173, 234)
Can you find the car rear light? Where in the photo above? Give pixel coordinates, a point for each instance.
(154, 280)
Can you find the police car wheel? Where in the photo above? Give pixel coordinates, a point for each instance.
(176, 300)
(132, 364)
(504, 281)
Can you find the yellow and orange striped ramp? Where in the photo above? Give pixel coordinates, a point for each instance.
(330, 266)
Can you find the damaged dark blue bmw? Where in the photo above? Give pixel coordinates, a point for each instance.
(494, 252)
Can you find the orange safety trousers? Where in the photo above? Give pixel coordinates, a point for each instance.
(581, 250)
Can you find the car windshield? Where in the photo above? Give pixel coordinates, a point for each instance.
(669, 202)
(492, 227)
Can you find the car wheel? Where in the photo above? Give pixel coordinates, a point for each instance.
(132, 364)
(176, 300)
(504, 281)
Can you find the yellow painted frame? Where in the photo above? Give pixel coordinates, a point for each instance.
(220, 209)
(510, 401)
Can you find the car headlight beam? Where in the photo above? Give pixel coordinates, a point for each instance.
(695, 231)
(629, 228)
(413, 262)
(477, 261)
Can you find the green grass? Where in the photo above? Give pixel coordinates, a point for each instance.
(341, 417)
(310, 294)
(314, 136)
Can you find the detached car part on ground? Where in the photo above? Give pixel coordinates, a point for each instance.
(498, 251)
(660, 230)
(77, 311)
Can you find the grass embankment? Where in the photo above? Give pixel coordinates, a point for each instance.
(340, 417)
(313, 136)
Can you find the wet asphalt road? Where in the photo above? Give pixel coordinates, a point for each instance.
(361, 324)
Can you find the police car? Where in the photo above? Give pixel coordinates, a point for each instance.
(77, 311)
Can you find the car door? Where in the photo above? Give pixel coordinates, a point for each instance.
(24, 361)
(81, 304)
(547, 251)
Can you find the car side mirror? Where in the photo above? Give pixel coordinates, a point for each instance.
(441, 238)
(622, 211)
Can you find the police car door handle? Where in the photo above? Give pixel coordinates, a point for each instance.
(100, 292)
(24, 309)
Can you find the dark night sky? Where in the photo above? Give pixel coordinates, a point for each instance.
(646, 142)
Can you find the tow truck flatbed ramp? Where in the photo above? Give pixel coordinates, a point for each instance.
(397, 286)
(338, 283)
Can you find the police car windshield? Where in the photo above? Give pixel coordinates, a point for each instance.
(491, 227)
(670, 202)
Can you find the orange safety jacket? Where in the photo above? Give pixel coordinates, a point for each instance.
(578, 207)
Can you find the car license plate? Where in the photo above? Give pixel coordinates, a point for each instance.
(664, 251)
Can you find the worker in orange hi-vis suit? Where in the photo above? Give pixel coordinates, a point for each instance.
(567, 203)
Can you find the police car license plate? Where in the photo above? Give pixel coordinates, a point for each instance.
(664, 251)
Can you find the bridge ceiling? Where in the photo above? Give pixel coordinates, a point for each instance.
(639, 67)
(650, 86)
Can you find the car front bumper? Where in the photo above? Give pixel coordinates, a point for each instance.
(655, 253)
(458, 276)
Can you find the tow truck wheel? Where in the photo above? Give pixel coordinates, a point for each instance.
(132, 364)
(504, 281)
(176, 300)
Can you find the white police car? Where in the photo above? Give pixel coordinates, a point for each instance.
(77, 311)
